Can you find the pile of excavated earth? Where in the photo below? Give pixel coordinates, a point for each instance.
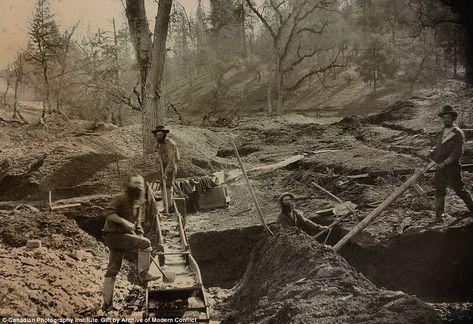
(288, 278)
(291, 278)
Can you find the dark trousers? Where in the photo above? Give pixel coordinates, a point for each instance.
(118, 243)
(450, 175)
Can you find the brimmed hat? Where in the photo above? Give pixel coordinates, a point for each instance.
(285, 195)
(448, 110)
(160, 128)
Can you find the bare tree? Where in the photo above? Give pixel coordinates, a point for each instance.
(288, 23)
(43, 44)
(151, 56)
(19, 73)
(62, 53)
(8, 78)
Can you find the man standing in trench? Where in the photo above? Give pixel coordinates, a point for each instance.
(168, 156)
(447, 154)
(291, 217)
(123, 232)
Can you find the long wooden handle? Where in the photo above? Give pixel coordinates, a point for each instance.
(250, 188)
(335, 222)
(164, 191)
(378, 210)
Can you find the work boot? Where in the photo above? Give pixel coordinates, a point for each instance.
(144, 263)
(107, 293)
(439, 208)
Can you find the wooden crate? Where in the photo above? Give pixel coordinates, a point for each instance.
(214, 198)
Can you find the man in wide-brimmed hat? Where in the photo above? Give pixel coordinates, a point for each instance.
(168, 156)
(447, 154)
(291, 217)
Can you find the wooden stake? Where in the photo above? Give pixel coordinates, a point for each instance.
(164, 191)
(120, 182)
(50, 201)
(250, 188)
(378, 210)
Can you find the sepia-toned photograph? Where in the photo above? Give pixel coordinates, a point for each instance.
(236, 161)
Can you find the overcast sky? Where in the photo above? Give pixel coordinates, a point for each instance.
(14, 16)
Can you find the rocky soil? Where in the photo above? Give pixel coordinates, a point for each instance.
(292, 279)
(63, 278)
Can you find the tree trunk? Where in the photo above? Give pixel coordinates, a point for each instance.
(280, 91)
(375, 80)
(47, 91)
(455, 57)
(469, 53)
(15, 98)
(4, 97)
(151, 57)
(153, 114)
(140, 37)
(242, 29)
(58, 100)
(269, 95)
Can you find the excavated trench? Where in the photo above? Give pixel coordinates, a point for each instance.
(435, 266)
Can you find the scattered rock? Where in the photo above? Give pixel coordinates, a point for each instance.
(81, 255)
(33, 244)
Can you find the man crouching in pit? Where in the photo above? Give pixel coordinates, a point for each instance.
(123, 232)
(291, 217)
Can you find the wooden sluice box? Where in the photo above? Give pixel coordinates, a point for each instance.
(185, 296)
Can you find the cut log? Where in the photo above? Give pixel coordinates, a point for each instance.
(378, 210)
(398, 172)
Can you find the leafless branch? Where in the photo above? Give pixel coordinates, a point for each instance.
(333, 64)
(261, 17)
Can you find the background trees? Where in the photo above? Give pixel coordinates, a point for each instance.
(234, 57)
(43, 45)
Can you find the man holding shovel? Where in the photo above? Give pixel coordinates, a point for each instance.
(123, 232)
(168, 156)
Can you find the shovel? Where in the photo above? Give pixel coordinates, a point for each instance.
(164, 191)
(168, 277)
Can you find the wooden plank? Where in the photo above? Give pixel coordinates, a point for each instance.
(235, 174)
(65, 206)
(279, 165)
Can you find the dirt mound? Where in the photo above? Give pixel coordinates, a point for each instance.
(54, 230)
(399, 110)
(63, 278)
(77, 160)
(292, 279)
